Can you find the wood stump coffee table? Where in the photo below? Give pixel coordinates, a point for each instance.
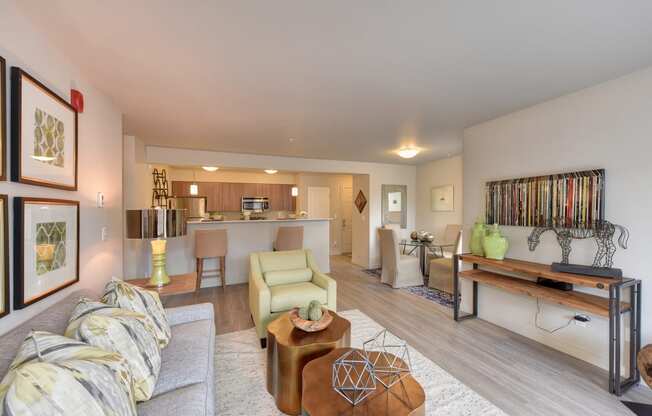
(405, 398)
(290, 349)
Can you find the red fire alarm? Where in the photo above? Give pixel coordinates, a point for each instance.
(77, 100)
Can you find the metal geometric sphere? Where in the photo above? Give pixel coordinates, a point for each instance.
(353, 377)
(389, 356)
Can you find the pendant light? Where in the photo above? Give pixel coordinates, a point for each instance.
(194, 189)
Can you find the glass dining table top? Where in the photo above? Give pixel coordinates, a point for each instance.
(418, 243)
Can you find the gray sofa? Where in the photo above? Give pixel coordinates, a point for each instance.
(186, 383)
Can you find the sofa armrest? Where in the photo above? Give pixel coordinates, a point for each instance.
(260, 297)
(329, 285)
(189, 313)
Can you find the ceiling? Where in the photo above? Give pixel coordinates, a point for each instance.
(348, 80)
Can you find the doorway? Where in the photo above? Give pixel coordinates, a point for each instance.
(346, 208)
(319, 202)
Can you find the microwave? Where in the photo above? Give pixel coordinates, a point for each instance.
(255, 203)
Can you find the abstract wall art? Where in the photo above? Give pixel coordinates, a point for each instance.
(360, 201)
(44, 135)
(570, 200)
(46, 248)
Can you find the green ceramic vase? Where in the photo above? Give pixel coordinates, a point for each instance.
(159, 273)
(477, 235)
(495, 245)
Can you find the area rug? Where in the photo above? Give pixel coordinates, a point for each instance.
(240, 376)
(434, 295)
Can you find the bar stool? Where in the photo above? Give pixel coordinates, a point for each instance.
(289, 238)
(210, 244)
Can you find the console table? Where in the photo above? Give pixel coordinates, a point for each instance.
(495, 273)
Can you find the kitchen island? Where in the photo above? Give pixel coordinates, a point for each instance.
(245, 237)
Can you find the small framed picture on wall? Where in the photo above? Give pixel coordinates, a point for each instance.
(3, 119)
(43, 135)
(441, 198)
(4, 257)
(46, 248)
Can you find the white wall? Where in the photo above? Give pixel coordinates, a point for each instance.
(437, 173)
(607, 126)
(360, 224)
(379, 174)
(100, 158)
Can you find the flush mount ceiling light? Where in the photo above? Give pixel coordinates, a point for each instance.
(210, 168)
(408, 152)
(270, 171)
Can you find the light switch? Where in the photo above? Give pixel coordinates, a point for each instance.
(104, 234)
(100, 200)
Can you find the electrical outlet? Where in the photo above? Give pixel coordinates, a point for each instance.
(104, 234)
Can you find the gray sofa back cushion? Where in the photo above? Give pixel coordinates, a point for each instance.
(54, 319)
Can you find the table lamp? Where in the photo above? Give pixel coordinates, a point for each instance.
(157, 224)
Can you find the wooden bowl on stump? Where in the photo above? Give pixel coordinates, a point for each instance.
(310, 326)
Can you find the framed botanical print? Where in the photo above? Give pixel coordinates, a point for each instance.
(4, 257)
(3, 120)
(46, 248)
(43, 135)
(441, 198)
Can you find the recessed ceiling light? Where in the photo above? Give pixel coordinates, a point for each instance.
(270, 171)
(210, 168)
(408, 152)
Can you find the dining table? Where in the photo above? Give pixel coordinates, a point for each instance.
(424, 249)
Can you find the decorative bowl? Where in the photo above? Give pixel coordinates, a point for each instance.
(310, 326)
(429, 237)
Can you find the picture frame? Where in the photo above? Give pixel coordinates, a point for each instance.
(46, 248)
(43, 135)
(5, 307)
(3, 119)
(442, 198)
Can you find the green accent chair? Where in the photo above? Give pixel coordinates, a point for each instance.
(282, 280)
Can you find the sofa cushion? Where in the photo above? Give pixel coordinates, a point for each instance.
(286, 297)
(72, 387)
(147, 302)
(189, 400)
(284, 277)
(109, 370)
(282, 260)
(127, 335)
(185, 361)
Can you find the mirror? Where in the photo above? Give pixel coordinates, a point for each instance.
(394, 204)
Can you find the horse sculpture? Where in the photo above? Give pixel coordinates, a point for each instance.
(602, 231)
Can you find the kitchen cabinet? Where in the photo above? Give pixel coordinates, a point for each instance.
(226, 196)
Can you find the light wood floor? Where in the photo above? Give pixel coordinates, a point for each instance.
(520, 376)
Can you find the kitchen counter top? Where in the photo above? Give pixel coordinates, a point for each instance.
(190, 222)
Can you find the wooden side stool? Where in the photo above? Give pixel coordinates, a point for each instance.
(211, 244)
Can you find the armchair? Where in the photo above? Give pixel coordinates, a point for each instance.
(282, 280)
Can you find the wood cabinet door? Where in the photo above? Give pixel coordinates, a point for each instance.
(213, 193)
(180, 188)
(232, 196)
